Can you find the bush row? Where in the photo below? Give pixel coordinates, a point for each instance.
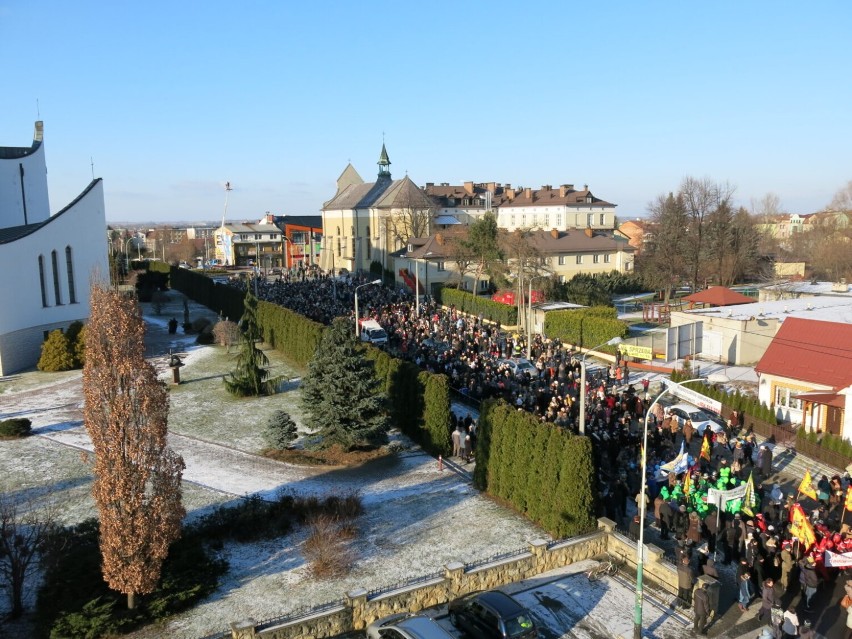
(225, 300)
(828, 441)
(474, 305)
(586, 327)
(294, 335)
(544, 471)
(419, 401)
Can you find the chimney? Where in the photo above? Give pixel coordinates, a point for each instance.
(528, 193)
(585, 187)
(554, 234)
(507, 186)
(589, 232)
(468, 186)
(510, 193)
(546, 187)
(429, 184)
(439, 239)
(491, 186)
(563, 190)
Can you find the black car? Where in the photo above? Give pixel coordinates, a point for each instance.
(492, 614)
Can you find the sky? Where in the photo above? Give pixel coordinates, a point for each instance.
(171, 100)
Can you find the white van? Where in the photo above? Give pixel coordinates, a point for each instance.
(372, 331)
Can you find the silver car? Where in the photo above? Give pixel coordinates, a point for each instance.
(699, 418)
(407, 626)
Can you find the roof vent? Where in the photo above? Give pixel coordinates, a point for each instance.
(810, 306)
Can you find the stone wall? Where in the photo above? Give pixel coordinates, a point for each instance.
(360, 608)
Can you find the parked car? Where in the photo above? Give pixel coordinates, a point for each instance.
(519, 366)
(407, 626)
(699, 418)
(492, 614)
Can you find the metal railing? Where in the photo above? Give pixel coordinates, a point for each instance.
(300, 613)
(509, 554)
(406, 583)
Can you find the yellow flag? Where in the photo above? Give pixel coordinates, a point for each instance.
(705, 449)
(800, 527)
(807, 486)
(749, 498)
(848, 504)
(687, 484)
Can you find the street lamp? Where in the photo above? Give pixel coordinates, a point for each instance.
(529, 314)
(717, 378)
(356, 301)
(126, 254)
(612, 342)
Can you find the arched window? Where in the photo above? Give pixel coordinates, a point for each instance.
(69, 266)
(41, 280)
(57, 291)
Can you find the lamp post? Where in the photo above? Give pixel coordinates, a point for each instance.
(356, 301)
(612, 342)
(126, 254)
(529, 315)
(640, 547)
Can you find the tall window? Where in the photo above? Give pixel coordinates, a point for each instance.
(69, 266)
(596, 259)
(41, 280)
(579, 259)
(603, 219)
(589, 218)
(57, 291)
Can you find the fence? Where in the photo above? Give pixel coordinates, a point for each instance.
(361, 607)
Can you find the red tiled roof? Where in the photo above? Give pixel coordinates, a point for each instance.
(718, 296)
(811, 351)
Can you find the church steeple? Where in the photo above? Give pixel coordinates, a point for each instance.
(384, 163)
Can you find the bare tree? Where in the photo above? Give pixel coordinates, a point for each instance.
(663, 263)
(137, 477)
(701, 198)
(484, 247)
(411, 216)
(25, 531)
(842, 200)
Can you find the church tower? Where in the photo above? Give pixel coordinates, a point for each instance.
(384, 163)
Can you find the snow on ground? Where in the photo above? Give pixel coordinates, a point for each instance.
(417, 519)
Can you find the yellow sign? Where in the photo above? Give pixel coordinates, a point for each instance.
(633, 350)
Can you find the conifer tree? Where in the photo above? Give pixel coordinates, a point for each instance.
(341, 395)
(251, 375)
(137, 486)
(281, 430)
(55, 353)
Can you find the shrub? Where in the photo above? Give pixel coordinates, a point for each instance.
(281, 430)
(226, 333)
(55, 353)
(76, 335)
(326, 549)
(15, 427)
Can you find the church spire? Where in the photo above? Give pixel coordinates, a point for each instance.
(384, 163)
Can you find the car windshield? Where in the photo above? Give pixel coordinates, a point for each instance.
(518, 626)
(699, 416)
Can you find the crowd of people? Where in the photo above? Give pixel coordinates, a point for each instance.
(710, 492)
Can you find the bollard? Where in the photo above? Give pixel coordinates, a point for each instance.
(440, 462)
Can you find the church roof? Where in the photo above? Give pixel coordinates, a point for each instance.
(383, 158)
(12, 233)
(384, 193)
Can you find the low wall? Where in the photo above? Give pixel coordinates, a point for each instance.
(360, 607)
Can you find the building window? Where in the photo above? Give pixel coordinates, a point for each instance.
(579, 259)
(559, 219)
(561, 260)
(41, 280)
(535, 220)
(589, 218)
(441, 266)
(512, 220)
(607, 258)
(603, 219)
(546, 221)
(783, 398)
(523, 219)
(69, 266)
(57, 290)
(465, 202)
(596, 259)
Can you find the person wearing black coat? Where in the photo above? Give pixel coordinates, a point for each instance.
(701, 607)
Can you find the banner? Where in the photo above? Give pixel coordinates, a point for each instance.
(807, 486)
(693, 397)
(848, 505)
(800, 527)
(749, 498)
(838, 559)
(634, 350)
(720, 497)
(679, 464)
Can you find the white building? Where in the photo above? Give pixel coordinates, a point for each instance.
(49, 260)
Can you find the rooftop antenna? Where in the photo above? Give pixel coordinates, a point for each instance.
(92, 162)
(38, 110)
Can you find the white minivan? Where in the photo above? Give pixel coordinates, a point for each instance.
(372, 331)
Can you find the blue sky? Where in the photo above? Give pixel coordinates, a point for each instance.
(173, 99)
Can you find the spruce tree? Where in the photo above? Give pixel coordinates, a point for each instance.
(341, 395)
(280, 431)
(251, 375)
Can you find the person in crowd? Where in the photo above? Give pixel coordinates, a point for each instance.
(701, 609)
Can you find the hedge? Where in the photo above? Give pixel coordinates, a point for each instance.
(586, 327)
(225, 300)
(419, 401)
(474, 305)
(544, 471)
(734, 401)
(294, 335)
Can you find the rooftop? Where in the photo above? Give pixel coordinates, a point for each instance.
(832, 309)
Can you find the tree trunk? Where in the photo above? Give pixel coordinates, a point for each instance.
(131, 601)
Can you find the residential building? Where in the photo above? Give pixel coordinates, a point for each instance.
(639, 233)
(561, 208)
(53, 259)
(805, 375)
(248, 244)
